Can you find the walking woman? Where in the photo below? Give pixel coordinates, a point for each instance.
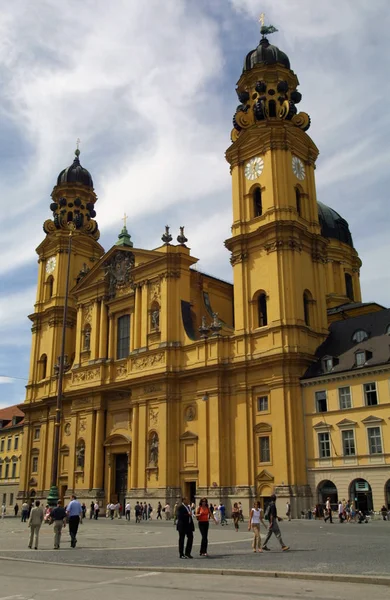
(236, 515)
(204, 514)
(255, 518)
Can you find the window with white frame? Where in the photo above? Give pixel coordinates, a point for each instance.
(374, 440)
(34, 465)
(348, 438)
(265, 448)
(37, 433)
(345, 400)
(262, 403)
(360, 358)
(321, 402)
(370, 394)
(324, 444)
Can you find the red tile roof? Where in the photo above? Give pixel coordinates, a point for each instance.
(6, 414)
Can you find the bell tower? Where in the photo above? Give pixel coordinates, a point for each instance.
(277, 250)
(72, 206)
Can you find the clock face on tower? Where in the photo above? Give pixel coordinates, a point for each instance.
(298, 168)
(51, 264)
(254, 168)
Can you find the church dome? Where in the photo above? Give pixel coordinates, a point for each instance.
(75, 173)
(333, 225)
(267, 54)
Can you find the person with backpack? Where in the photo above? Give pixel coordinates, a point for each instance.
(271, 515)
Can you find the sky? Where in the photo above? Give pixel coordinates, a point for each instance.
(149, 88)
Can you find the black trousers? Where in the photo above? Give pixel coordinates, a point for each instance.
(204, 532)
(183, 532)
(73, 527)
(329, 516)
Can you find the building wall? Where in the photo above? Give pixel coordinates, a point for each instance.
(359, 419)
(10, 456)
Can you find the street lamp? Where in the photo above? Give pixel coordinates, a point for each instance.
(62, 366)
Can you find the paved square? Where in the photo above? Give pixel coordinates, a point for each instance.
(316, 547)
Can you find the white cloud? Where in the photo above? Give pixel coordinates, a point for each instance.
(6, 379)
(149, 89)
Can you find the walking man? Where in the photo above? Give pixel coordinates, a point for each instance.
(74, 512)
(24, 512)
(328, 510)
(127, 511)
(58, 517)
(92, 510)
(288, 510)
(185, 527)
(273, 528)
(35, 521)
(96, 510)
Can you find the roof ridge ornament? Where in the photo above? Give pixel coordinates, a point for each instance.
(77, 151)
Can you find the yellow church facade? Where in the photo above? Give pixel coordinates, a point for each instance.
(176, 382)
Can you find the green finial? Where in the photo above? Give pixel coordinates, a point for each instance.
(124, 238)
(265, 29)
(77, 151)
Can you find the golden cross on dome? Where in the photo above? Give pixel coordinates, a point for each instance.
(261, 19)
(124, 218)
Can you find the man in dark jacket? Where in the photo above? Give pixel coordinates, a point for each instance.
(272, 514)
(58, 518)
(185, 527)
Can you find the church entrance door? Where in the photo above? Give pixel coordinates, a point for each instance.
(121, 469)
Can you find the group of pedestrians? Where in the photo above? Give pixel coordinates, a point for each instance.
(59, 518)
(203, 514)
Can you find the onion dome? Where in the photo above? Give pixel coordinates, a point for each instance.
(265, 54)
(333, 225)
(75, 173)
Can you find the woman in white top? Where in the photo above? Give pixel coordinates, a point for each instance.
(255, 518)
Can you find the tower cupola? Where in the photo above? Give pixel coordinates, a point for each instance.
(267, 89)
(75, 173)
(73, 201)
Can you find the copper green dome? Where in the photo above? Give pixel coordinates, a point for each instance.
(75, 173)
(266, 54)
(333, 225)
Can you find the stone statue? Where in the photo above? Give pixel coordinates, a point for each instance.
(118, 270)
(80, 456)
(155, 318)
(153, 450)
(87, 339)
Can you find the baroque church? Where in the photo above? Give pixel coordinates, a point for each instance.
(178, 383)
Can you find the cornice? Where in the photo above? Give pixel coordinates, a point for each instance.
(345, 375)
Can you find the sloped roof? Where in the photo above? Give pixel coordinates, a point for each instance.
(339, 344)
(7, 414)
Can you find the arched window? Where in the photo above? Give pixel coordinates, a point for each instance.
(49, 287)
(262, 318)
(257, 203)
(43, 366)
(123, 337)
(80, 455)
(349, 286)
(298, 202)
(306, 307)
(87, 337)
(155, 316)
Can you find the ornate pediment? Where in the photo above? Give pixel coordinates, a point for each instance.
(371, 419)
(264, 476)
(346, 423)
(322, 425)
(262, 427)
(118, 270)
(188, 435)
(117, 439)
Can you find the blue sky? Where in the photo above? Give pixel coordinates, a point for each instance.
(150, 90)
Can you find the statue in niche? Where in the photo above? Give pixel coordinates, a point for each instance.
(87, 338)
(153, 450)
(80, 456)
(155, 318)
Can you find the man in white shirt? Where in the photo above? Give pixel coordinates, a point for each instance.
(112, 511)
(96, 510)
(328, 510)
(127, 511)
